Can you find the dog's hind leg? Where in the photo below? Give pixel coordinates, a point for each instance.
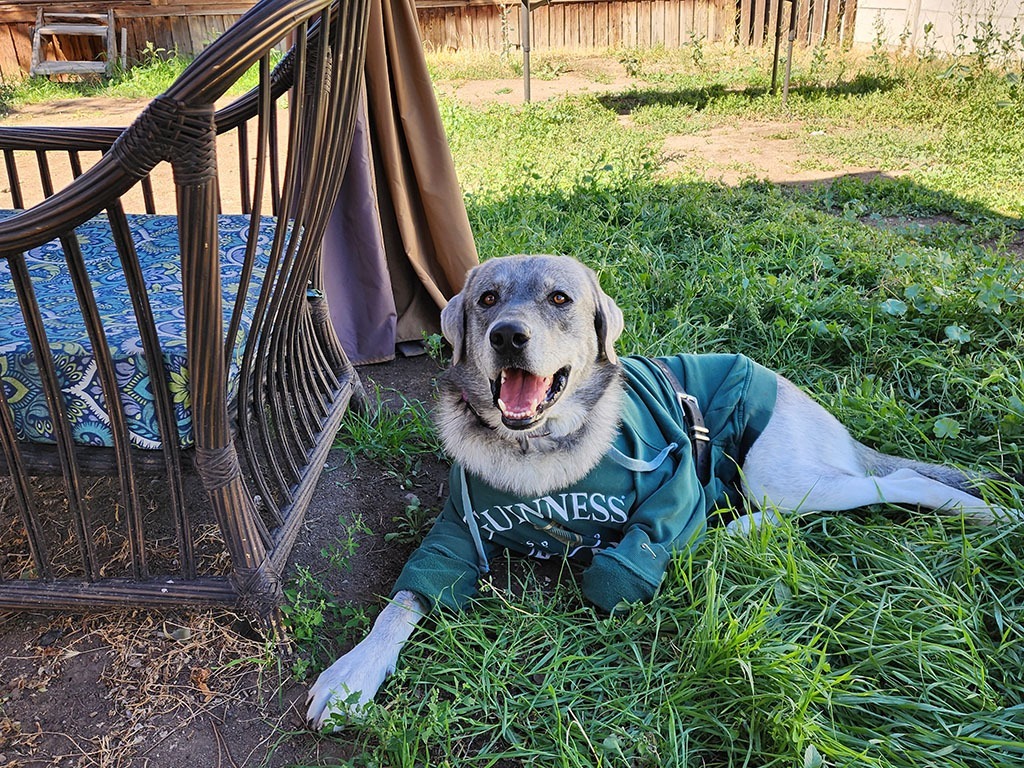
(836, 493)
(806, 460)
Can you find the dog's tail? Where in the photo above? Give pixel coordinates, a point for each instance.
(968, 481)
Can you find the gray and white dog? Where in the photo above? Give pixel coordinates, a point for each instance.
(531, 404)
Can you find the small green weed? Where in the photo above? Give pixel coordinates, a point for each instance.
(8, 96)
(317, 622)
(436, 349)
(630, 60)
(339, 552)
(412, 524)
(393, 436)
(305, 606)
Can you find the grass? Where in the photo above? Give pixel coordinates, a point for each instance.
(877, 638)
(834, 640)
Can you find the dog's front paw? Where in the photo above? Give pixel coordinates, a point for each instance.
(343, 690)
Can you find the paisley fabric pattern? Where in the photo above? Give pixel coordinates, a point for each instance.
(156, 241)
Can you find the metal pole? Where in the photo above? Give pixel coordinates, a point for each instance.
(524, 34)
(789, 50)
(778, 42)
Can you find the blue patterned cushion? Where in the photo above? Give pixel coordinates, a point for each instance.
(156, 240)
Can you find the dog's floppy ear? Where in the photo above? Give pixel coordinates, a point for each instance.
(453, 326)
(608, 322)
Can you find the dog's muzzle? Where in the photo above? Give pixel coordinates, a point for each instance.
(522, 397)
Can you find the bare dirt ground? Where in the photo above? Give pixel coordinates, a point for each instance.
(184, 688)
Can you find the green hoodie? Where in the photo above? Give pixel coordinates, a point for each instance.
(637, 507)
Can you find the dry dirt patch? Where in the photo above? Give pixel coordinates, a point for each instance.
(511, 91)
(771, 151)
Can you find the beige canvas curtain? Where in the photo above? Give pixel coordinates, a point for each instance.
(399, 244)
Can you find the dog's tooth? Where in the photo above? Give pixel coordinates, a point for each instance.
(501, 404)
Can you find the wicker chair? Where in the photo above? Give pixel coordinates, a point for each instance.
(188, 487)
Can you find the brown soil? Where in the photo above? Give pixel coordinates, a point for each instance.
(771, 151)
(188, 688)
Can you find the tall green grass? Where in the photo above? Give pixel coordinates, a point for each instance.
(879, 637)
(829, 641)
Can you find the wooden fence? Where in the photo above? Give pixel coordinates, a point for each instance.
(184, 25)
(189, 25)
(494, 25)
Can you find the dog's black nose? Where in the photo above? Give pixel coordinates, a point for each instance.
(509, 335)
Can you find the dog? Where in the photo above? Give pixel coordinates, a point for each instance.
(537, 410)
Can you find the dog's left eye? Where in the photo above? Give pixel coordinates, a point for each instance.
(558, 298)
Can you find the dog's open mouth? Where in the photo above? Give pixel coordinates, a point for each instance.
(522, 396)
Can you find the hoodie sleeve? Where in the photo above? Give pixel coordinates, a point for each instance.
(671, 510)
(446, 567)
(671, 519)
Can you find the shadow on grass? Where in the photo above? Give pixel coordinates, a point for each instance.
(625, 102)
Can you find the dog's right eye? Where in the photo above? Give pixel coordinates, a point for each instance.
(488, 299)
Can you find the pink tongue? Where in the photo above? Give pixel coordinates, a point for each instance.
(522, 392)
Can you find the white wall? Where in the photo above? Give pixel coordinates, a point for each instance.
(955, 23)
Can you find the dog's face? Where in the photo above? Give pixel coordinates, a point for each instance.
(528, 332)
